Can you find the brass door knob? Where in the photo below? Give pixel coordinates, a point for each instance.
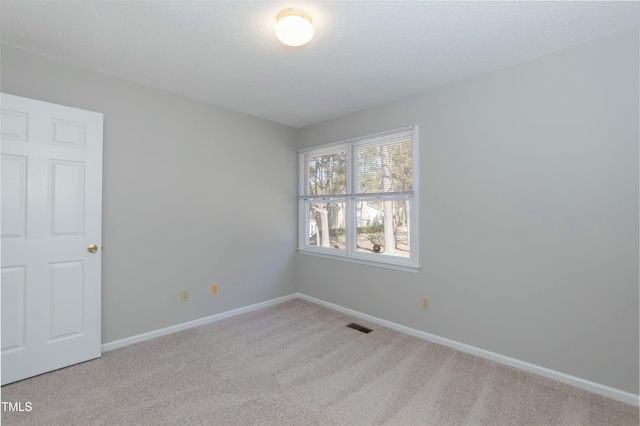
(92, 248)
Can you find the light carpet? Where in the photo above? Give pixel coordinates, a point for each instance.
(297, 363)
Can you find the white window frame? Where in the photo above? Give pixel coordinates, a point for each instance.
(350, 253)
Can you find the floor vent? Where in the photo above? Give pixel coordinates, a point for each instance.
(359, 328)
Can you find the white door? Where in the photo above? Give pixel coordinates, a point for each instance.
(51, 215)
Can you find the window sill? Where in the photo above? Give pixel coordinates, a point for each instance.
(386, 265)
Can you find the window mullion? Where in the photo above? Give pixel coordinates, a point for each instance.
(350, 243)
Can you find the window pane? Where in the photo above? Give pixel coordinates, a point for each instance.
(326, 225)
(383, 227)
(327, 174)
(384, 168)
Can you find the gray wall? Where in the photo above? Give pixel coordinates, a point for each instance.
(529, 213)
(193, 195)
(529, 207)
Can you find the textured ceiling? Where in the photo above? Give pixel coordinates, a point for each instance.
(364, 53)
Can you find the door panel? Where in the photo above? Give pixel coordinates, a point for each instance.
(13, 308)
(14, 125)
(67, 197)
(69, 133)
(66, 280)
(14, 196)
(51, 213)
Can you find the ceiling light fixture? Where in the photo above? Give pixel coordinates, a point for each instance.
(294, 27)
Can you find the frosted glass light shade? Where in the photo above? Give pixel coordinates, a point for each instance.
(294, 27)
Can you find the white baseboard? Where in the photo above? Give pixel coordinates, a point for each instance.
(596, 388)
(185, 325)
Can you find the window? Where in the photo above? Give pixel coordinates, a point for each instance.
(358, 199)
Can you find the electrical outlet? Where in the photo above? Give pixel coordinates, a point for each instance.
(425, 303)
(184, 295)
(214, 288)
